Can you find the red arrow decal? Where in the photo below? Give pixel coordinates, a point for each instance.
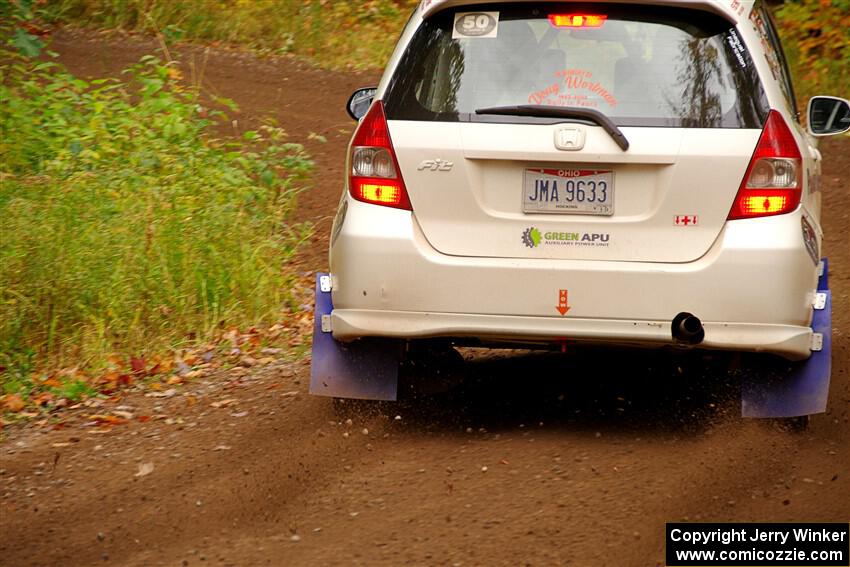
(563, 302)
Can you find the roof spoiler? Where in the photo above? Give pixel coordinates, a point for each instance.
(430, 7)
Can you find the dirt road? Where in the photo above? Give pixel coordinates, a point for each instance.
(541, 460)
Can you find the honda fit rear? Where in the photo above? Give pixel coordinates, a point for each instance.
(616, 173)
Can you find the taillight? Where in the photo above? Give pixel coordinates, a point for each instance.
(774, 180)
(577, 20)
(375, 176)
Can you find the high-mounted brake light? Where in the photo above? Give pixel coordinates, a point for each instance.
(773, 183)
(577, 20)
(375, 176)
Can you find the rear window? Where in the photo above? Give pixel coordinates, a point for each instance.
(640, 66)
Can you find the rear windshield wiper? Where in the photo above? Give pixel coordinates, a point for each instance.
(543, 111)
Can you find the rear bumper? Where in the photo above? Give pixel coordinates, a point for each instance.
(787, 340)
(753, 289)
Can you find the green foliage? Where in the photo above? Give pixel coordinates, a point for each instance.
(334, 34)
(816, 37)
(73, 390)
(15, 27)
(123, 225)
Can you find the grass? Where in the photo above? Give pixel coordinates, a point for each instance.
(125, 226)
(359, 35)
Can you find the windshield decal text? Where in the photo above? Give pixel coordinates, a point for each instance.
(573, 87)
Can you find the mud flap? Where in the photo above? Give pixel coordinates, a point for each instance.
(366, 369)
(805, 389)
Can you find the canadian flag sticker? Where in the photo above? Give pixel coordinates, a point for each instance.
(686, 220)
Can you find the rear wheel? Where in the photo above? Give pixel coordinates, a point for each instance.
(430, 368)
(771, 386)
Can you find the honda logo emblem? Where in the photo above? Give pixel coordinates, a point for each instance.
(569, 139)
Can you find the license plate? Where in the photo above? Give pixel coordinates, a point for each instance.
(568, 191)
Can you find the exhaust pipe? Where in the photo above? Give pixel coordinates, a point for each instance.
(688, 329)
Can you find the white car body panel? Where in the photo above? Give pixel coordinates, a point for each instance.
(443, 271)
(389, 281)
(667, 172)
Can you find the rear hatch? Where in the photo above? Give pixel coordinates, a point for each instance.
(492, 173)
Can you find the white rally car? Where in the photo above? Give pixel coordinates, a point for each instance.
(537, 173)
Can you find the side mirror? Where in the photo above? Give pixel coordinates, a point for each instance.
(828, 115)
(360, 102)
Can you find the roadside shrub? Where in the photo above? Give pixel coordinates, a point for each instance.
(816, 36)
(123, 225)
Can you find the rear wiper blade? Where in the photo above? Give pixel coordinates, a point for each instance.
(543, 111)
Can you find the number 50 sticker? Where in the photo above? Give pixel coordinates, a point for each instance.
(476, 24)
